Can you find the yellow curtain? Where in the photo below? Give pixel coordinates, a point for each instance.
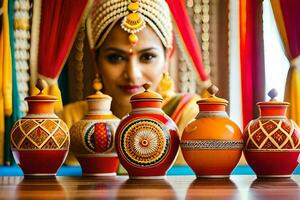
(5, 76)
(292, 87)
(292, 94)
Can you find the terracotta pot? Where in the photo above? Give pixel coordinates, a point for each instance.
(93, 138)
(147, 139)
(40, 140)
(212, 144)
(272, 143)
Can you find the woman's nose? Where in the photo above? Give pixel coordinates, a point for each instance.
(133, 71)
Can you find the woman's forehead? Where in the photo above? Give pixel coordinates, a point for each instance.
(147, 38)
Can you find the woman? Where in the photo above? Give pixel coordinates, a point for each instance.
(132, 44)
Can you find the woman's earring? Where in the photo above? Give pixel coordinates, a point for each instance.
(166, 86)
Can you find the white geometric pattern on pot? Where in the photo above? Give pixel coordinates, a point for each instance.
(28, 126)
(279, 137)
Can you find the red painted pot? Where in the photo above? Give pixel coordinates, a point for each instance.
(40, 140)
(93, 138)
(272, 143)
(147, 139)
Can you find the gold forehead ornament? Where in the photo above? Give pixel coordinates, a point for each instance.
(133, 22)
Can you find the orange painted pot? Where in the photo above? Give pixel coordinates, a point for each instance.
(40, 140)
(272, 142)
(147, 139)
(212, 144)
(93, 138)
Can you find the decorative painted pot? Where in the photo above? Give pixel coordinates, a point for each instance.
(93, 138)
(272, 143)
(40, 140)
(212, 144)
(147, 139)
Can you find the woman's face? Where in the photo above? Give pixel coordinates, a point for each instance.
(125, 68)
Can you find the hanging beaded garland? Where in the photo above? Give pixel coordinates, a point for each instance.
(199, 13)
(22, 47)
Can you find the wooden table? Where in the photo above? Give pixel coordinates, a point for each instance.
(173, 187)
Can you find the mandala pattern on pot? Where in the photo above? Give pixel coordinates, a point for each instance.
(272, 135)
(144, 142)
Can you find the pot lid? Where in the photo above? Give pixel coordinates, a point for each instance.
(97, 85)
(212, 99)
(146, 95)
(272, 94)
(41, 96)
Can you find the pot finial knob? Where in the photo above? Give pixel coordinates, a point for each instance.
(41, 84)
(273, 94)
(147, 86)
(213, 90)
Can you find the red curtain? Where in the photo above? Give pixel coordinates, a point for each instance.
(286, 13)
(251, 57)
(188, 35)
(290, 13)
(60, 20)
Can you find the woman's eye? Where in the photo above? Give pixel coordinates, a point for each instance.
(147, 57)
(115, 58)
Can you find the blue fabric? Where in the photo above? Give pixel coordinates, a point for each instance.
(175, 170)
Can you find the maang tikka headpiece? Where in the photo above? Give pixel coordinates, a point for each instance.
(133, 22)
(133, 15)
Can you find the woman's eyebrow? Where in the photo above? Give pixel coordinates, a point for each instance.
(125, 51)
(147, 49)
(115, 49)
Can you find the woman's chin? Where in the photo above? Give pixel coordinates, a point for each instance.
(123, 102)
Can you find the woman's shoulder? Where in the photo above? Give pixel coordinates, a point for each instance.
(181, 105)
(73, 112)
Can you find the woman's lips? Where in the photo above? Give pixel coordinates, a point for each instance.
(130, 89)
